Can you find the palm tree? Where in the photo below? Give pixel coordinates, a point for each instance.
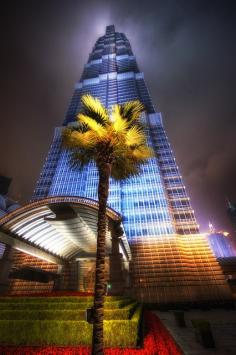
(115, 140)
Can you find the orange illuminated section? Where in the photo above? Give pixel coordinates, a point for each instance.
(178, 268)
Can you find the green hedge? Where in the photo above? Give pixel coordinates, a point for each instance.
(44, 306)
(122, 333)
(46, 299)
(120, 313)
(35, 314)
(42, 315)
(59, 305)
(117, 333)
(63, 299)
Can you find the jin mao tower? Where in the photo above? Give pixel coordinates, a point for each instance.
(171, 260)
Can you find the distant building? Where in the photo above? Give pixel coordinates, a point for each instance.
(222, 245)
(224, 248)
(6, 204)
(231, 210)
(4, 184)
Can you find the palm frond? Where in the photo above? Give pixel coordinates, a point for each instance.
(119, 139)
(93, 108)
(142, 152)
(92, 124)
(87, 139)
(118, 122)
(124, 167)
(131, 110)
(135, 136)
(68, 141)
(76, 139)
(80, 158)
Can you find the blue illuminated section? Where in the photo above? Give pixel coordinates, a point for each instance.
(221, 245)
(154, 203)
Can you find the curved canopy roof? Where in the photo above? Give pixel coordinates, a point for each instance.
(62, 226)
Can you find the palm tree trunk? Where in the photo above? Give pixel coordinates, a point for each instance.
(103, 187)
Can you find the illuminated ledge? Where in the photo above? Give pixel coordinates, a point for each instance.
(29, 249)
(107, 76)
(61, 199)
(63, 226)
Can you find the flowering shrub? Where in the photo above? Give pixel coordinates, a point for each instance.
(157, 341)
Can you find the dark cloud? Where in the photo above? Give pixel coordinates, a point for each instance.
(187, 52)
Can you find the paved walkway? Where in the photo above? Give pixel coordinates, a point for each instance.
(223, 324)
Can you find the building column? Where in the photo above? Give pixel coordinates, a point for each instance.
(59, 283)
(116, 281)
(5, 267)
(68, 278)
(82, 268)
(85, 266)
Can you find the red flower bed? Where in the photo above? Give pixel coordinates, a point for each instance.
(157, 341)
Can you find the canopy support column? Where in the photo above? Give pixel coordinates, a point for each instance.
(5, 267)
(116, 282)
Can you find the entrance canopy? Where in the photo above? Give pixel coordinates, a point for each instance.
(64, 227)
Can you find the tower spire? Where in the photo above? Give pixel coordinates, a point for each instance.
(110, 29)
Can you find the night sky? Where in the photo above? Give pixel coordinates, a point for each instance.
(186, 50)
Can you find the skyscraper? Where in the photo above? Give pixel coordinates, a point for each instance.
(112, 75)
(170, 257)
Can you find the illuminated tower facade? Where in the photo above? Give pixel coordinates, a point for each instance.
(154, 203)
(157, 216)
